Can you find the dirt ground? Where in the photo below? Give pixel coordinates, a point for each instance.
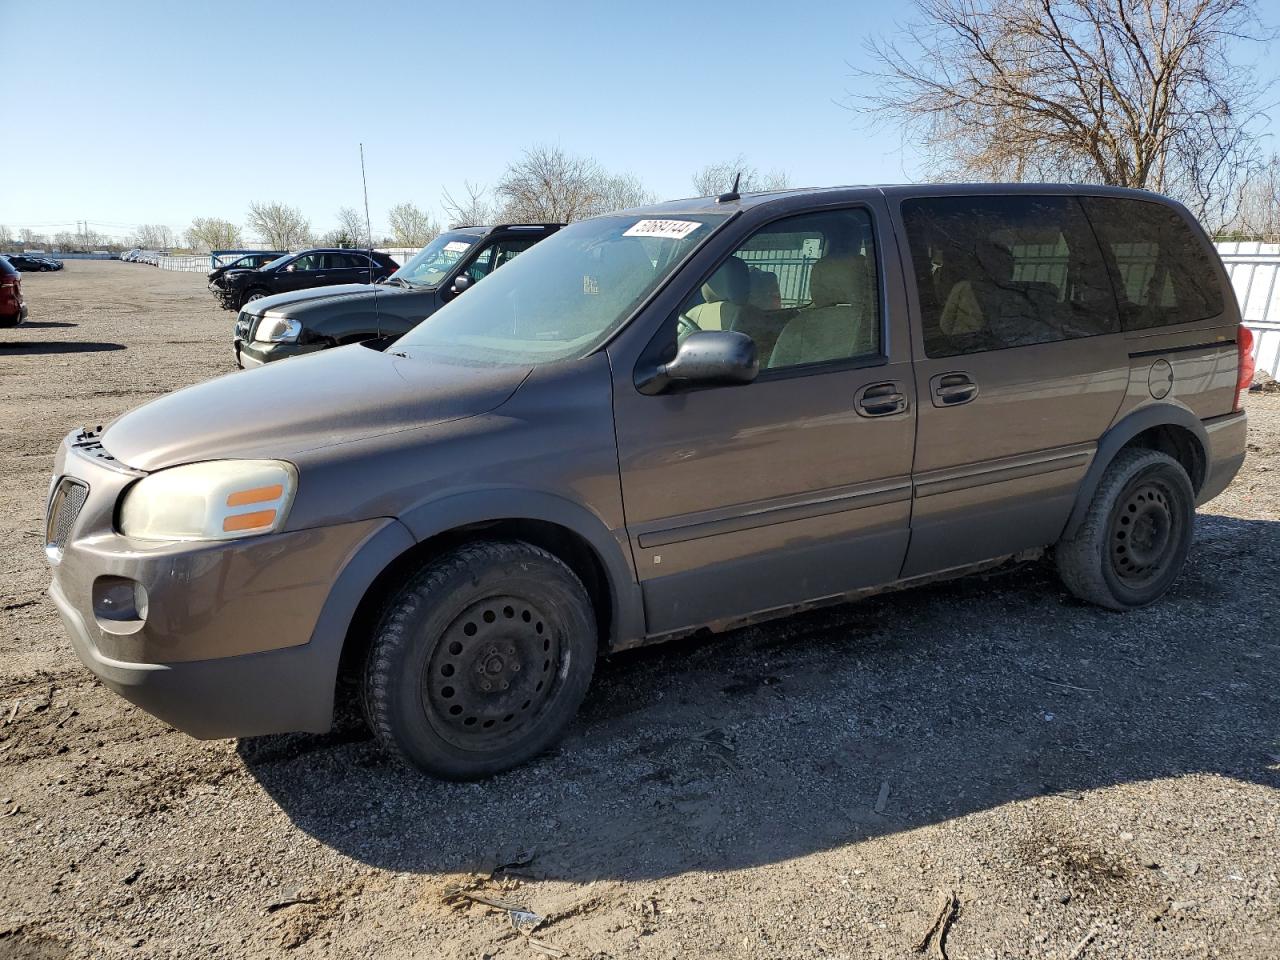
(1087, 784)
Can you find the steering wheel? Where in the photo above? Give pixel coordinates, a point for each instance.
(686, 326)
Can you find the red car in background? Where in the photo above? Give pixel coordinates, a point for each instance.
(13, 309)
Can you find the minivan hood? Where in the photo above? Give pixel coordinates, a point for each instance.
(284, 303)
(284, 408)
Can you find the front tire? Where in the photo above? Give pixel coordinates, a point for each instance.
(480, 660)
(1135, 535)
(251, 296)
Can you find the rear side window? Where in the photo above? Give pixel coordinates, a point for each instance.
(1163, 274)
(1000, 272)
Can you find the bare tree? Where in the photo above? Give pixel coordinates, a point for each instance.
(213, 233)
(279, 226)
(410, 227)
(1137, 93)
(1258, 207)
(548, 185)
(5, 236)
(718, 178)
(352, 224)
(30, 239)
(152, 236)
(620, 191)
(473, 209)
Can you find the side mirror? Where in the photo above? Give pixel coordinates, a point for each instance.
(460, 283)
(703, 358)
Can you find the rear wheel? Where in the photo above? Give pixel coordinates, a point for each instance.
(481, 660)
(1135, 535)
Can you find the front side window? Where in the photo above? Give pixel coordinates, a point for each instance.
(495, 255)
(565, 295)
(999, 272)
(310, 261)
(430, 265)
(804, 288)
(1163, 271)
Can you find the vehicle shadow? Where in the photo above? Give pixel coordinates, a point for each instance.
(776, 741)
(42, 324)
(32, 347)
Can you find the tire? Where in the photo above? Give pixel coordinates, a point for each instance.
(251, 296)
(480, 660)
(1135, 535)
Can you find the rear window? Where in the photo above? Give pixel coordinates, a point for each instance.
(1163, 271)
(999, 272)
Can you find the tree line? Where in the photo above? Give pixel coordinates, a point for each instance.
(545, 184)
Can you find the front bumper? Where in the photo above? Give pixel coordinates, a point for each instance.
(237, 638)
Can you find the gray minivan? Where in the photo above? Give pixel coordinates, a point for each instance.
(684, 416)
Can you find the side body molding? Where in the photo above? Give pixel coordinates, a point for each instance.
(492, 503)
(1144, 418)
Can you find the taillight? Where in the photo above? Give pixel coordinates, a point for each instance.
(1245, 364)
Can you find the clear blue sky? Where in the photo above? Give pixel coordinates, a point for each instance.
(160, 111)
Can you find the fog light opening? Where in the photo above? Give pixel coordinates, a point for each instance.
(119, 604)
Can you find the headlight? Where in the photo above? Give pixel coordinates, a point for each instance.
(216, 500)
(272, 329)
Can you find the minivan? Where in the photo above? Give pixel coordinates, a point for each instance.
(613, 441)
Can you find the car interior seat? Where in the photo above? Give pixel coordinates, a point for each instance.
(841, 320)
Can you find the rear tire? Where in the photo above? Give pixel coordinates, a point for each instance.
(480, 660)
(1135, 536)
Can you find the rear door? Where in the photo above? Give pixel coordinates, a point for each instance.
(1020, 368)
(796, 486)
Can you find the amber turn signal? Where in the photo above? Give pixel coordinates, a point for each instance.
(249, 521)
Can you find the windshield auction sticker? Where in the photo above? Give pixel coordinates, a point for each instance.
(666, 229)
(457, 246)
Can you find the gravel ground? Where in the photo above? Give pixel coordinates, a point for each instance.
(1087, 784)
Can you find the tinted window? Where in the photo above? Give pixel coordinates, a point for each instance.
(1163, 271)
(496, 255)
(803, 288)
(309, 261)
(999, 272)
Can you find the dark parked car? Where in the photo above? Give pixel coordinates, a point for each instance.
(301, 271)
(30, 264)
(608, 443)
(290, 324)
(250, 261)
(13, 309)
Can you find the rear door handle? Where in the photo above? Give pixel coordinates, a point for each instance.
(952, 389)
(880, 399)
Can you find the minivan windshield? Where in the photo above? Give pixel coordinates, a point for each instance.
(564, 295)
(433, 262)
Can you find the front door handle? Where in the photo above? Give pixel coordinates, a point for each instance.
(880, 400)
(952, 389)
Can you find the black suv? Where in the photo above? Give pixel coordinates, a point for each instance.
(290, 324)
(301, 271)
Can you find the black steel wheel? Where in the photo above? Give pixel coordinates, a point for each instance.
(1135, 535)
(481, 660)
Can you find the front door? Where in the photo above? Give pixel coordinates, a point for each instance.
(794, 487)
(1020, 369)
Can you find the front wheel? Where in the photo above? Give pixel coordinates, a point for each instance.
(1135, 535)
(251, 296)
(481, 660)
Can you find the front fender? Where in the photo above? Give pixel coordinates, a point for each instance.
(451, 511)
